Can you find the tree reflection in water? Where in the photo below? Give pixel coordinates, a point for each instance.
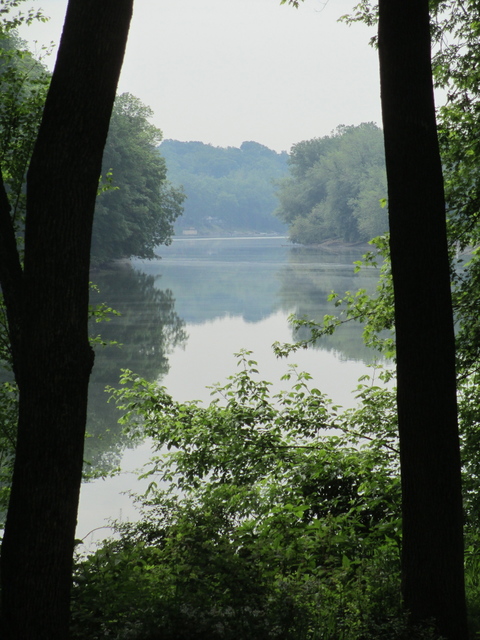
(145, 331)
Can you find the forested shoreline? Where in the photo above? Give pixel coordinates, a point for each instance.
(337, 189)
(283, 515)
(229, 190)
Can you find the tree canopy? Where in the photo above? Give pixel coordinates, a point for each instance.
(335, 187)
(137, 209)
(24, 87)
(137, 206)
(228, 189)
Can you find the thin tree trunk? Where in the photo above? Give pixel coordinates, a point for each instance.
(52, 356)
(432, 557)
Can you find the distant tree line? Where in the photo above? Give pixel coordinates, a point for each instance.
(228, 188)
(336, 187)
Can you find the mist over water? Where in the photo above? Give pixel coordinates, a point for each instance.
(184, 315)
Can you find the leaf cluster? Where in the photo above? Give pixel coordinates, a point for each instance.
(245, 432)
(137, 209)
(335, 187)
(10, 21)
(281, 517)
(23, 90)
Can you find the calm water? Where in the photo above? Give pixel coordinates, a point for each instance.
(184, 316)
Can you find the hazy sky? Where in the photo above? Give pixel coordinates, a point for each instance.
(225, 71)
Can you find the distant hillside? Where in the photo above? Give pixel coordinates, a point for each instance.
(229, 190)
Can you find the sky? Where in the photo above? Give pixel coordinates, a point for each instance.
(226, 71)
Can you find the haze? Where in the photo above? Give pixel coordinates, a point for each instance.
(225, 71)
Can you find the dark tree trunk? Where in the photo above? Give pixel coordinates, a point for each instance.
(432, 560)
(47, 305)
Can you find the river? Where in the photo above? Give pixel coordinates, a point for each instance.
(184, 315)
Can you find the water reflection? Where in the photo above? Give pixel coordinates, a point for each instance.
(147, 330)
(307, 280)
(229, 294)
(225, 277)
(197, 282)
(255, 278)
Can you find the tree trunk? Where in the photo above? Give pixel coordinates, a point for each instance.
(48, 321)
(432, 556)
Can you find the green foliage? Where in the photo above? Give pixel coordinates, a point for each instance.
(335, 187)
(10, 21)
(455, 68)
(136, 206)
(23, 90)
(228, 189)
(283, 514)
(244, 433)
(8, 437)
(373, 309)
(138, 213)
(281, 518)
(23, 87)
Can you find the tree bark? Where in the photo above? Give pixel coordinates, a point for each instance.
(432, 556)
(47, 306)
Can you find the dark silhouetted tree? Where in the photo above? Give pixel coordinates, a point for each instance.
(46, 301)
(432, 553)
